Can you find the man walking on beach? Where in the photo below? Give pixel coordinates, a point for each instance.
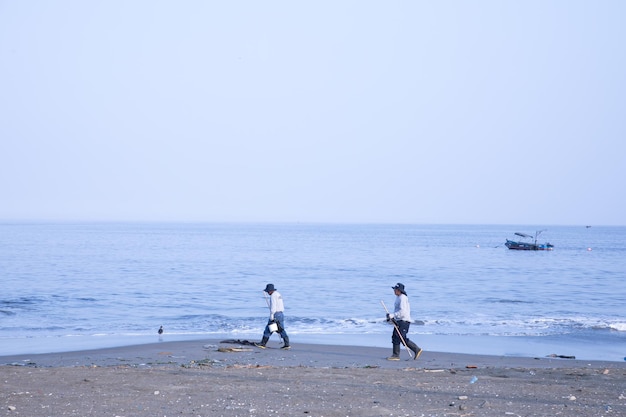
(401, 319)
(277, 318)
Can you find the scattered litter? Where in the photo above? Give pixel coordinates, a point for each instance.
(200, 363)
(433, 370)
(474, 379)
(554, 355)
(27, 362)
(238, 342)
(462, 397)
(239, 349)
(238, 366)
(471, 366)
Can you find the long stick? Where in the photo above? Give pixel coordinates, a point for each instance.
(398, 331)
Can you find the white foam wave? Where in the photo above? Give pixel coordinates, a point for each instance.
(620, 327)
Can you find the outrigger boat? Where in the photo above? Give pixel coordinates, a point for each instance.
(525, 245)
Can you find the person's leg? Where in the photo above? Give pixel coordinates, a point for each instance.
(395, 342)
(266, 337)
(417, 351)
(404, 329)
(395, 355)
(280, 320)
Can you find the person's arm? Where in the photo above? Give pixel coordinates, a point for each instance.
(273, 304)
(404, 312)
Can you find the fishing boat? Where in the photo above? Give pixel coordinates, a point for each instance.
(529, 244)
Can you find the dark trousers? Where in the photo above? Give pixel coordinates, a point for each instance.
(279, 318)
(403, 326)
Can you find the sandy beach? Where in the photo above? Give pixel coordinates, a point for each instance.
(211, 378)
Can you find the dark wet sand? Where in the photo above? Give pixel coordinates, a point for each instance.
(209, 378)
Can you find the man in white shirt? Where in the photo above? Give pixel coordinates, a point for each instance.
(401, 319)
(277, 317)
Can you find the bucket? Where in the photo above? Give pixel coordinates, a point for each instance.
(273, 327)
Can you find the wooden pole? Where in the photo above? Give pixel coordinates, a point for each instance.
(395, 326)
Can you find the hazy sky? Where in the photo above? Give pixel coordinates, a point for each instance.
(488, 112)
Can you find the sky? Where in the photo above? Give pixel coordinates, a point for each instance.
(426, 112)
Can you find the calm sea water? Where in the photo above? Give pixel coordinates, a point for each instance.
(71, 286)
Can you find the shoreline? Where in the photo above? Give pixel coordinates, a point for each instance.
(182, 352)
(609, 347)
(211, 378)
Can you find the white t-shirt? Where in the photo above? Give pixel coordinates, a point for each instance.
(402, 308)
(276, 304)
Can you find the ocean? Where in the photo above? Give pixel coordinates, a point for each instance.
(71, 286)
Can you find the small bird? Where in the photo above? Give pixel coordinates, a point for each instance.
(161, 330)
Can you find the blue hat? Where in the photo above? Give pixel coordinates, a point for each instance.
(269, 288)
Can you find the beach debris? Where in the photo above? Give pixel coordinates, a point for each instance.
(474, 379)
(203, 362)
(462, 397)
(157, 392)
(554, 355)
(434, 370)
(28, 363)
(572, 398)
(605, 372)
(233, 349)
(12, 408)
(250, 366)
(471, 366)
(239, 342)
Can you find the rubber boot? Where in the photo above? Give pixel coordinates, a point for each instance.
(286, 344)
(395, 356)
(263, 342)
(416, 349)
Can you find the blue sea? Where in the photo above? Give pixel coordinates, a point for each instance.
(73, 286)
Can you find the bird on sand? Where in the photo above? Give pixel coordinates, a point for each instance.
(161, 330)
